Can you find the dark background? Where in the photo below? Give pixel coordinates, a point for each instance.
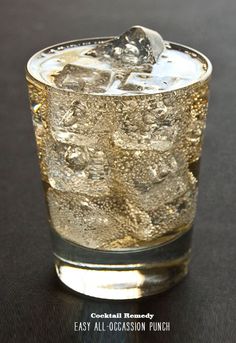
(34, 307)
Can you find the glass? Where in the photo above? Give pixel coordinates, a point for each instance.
(120, 172)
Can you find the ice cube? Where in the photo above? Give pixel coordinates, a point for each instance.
(92, 222)
(158, 188)
(178, 213)
(80, 219)
(147, 82)
(158, 194)
(83, 79)
(142, 228)
(137, 46)
(162, 193)
(145, 129)
(73, 168)
(149, 178)
(77, 120)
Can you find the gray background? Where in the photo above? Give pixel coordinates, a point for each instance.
(34, 307)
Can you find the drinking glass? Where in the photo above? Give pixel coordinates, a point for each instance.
(120, 174)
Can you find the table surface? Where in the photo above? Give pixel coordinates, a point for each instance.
(34, 307)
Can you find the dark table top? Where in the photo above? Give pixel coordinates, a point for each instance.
(34, 307)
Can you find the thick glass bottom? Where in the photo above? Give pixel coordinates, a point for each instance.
(107, 283)
(122, 274)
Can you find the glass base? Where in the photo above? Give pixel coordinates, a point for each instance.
(107, 283)
(129, 274)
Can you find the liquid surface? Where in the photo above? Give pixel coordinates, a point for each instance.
(69, 67)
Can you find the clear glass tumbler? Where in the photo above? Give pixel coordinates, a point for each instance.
(120, 174)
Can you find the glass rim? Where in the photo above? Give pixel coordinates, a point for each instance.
(84, 41)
